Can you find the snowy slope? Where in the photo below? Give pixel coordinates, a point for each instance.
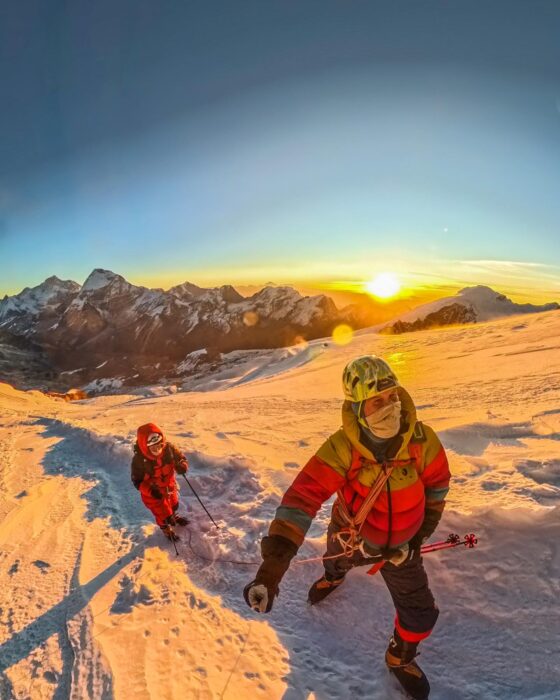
(95, 604)
(485, 302)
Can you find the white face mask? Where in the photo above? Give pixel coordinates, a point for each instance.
(386, 421)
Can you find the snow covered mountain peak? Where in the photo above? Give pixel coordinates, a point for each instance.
(271, 293)
(189, 292)
(54, 285)
(480, 292)
(55, 282)
(98, 279)
(32, 300)
(186, 290)
(469, 305)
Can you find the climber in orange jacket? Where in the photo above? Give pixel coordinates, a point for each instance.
(392, 476)
(152, 471)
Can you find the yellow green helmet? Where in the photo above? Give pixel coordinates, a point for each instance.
(367, 376)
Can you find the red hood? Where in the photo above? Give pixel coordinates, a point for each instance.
(142, 437)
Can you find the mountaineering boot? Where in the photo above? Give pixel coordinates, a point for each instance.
(399, 658)
(177, 520)
(322, 587)
(169, 532)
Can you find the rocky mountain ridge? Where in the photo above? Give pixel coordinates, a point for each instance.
(108, 326)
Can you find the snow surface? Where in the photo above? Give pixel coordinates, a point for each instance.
(242, 366)
(95, 604)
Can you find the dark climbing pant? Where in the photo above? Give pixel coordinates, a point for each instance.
(408, 585)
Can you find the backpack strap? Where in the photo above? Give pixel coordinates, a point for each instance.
(419, 434)
(415, 446)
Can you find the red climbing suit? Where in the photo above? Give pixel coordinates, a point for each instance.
(152, 474)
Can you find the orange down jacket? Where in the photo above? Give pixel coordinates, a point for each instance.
(419, 481)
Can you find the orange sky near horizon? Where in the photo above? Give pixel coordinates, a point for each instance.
(344, 292)
(426, 281)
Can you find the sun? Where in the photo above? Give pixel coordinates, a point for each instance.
(385, 285)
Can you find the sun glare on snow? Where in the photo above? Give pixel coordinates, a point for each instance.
(385, 285)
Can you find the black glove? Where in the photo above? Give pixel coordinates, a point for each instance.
(182, 467)
(432, 516)
(155, 492)
(277, 553)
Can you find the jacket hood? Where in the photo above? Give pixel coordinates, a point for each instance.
(352, 427)
(142, 438)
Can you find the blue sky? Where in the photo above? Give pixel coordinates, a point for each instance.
(295, 142)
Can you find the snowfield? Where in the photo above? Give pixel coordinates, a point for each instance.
(94, 603)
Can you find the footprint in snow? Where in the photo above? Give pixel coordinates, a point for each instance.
(492, 485)
(547, 472)
(42, 565)
(492, 574)
(128, 597)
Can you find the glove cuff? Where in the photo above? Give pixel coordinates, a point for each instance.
(432, 517)
(277, 553)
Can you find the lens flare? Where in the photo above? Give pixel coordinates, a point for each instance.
(250, 318)
(342, 334)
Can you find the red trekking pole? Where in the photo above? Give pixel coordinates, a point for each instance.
(469, 541)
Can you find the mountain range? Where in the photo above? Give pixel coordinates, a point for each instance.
(108, 332)
(67, 334)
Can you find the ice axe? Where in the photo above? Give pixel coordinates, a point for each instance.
(201, 503)
(453, 540)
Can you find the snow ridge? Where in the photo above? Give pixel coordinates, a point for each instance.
(482, 302)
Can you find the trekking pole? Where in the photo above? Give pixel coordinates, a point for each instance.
(175, 545)
(453, 540)
(469, 541)
(201, 503)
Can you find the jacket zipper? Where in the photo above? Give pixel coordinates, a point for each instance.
(389, 511)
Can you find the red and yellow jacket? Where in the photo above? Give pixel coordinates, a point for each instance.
(417, 485)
